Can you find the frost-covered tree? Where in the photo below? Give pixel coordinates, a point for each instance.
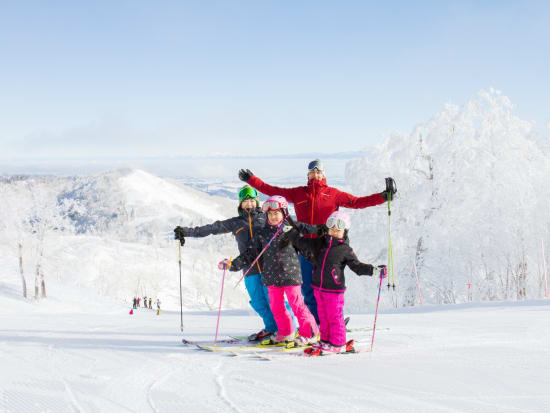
(470, 208)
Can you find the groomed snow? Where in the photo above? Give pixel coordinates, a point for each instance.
(76, 352)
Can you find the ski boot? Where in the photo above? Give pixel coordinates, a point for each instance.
(259, 336)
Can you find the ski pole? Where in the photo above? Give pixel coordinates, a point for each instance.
(260, 254)
(221, 296)
(383, 273)
(181, 297)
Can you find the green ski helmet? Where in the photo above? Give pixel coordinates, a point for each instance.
(247, 192)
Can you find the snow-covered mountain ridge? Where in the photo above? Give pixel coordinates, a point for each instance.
(113, 233)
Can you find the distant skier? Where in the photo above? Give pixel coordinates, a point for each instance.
(139, 301)
(281, 275)
(145, 302)
(313, 204)
(243, 227)
(134, 306)
(158, 306)
(150, 303)
(330, 253)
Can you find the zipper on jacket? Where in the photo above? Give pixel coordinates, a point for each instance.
(251, 235)
(312, 202)
(324, 260)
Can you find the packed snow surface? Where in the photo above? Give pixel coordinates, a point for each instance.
(76, 352)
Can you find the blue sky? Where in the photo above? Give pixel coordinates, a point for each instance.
(142, 78)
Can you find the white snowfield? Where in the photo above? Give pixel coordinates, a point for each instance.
(78, 353)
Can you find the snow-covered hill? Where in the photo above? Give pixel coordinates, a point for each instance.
(112, 233)
(472, 207)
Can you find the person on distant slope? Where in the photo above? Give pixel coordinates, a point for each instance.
(281, 275)
(330, 253)
(244, 227)
(150, 303)
(313, 204)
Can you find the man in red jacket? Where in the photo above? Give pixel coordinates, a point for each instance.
(313, 204)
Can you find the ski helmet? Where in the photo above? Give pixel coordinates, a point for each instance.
(339, 219)
(274, 203)
(316, 164)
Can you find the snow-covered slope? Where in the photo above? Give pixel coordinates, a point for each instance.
(57, 357)
(471, 210)
(112, 233)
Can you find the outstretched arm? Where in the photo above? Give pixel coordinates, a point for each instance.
(218, 227)
(288, 193)
(350, 201)
(357, 266)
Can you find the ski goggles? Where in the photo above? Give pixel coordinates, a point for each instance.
(247, 193)
(272, 206)
(339, 223)
(316, 164)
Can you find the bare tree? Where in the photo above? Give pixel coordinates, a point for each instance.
(21, 270)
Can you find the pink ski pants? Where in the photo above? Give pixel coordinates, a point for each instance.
(330, 308)
(308, 326)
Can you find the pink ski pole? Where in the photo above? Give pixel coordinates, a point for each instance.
(260, 254)
(383, 274)
(220, 307)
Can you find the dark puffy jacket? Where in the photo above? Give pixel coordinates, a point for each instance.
(280, 265)
(316, 201)
(329, 256)
(243, 227)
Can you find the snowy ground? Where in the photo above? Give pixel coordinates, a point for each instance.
(86, 354)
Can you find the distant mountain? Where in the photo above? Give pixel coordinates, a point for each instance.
(112, 233)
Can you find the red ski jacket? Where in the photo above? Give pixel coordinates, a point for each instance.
(316, 201)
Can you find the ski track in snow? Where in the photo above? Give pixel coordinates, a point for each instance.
(456, 360)
(219, 378)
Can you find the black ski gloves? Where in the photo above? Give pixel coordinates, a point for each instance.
(322, 230)
(179, 234)
(292, 223)
(390, 190)
(245, 174)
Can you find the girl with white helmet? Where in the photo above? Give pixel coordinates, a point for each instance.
(330, 254)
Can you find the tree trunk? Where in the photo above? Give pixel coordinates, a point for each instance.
(21, 270)
(36, 282)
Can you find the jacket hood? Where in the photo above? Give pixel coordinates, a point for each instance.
(317, 184)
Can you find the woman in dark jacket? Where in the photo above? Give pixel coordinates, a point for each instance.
(243, 227)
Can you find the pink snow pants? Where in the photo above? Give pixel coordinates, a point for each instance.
(330, 308)
(308, 326)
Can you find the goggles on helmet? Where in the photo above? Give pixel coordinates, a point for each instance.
(316, 164)
(272, 206)
(339, 223)
(247, 192)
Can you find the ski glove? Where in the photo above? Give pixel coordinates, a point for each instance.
(380, 271)
(245, 174)
(291, 223)
(391, 189)
(224, 264)
(179, 234)
(322, 230)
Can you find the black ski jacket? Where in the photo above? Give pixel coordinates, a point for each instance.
(280, 264)
(243, 227)
(329, 256)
